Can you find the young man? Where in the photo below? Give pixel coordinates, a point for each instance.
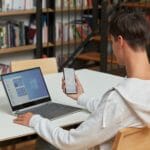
(126, 105)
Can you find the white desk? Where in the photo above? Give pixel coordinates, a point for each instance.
(94, 83)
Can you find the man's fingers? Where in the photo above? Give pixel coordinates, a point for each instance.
(18, 119)
(19, 122)
(20, 116)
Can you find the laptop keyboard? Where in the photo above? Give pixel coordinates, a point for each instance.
(52, 110)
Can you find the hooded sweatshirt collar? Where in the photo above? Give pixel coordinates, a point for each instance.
(136, 94)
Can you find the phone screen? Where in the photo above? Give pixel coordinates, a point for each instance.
(70, 83)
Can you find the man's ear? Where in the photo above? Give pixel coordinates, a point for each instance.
(120, 47)
(120, 41)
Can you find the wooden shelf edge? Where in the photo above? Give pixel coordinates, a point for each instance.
(48, 10)
(23, 12)
(72, 42)
(137, 5)
(48, 45)
(22, 48)
(95, 56)
(17, 49)
(97, 38)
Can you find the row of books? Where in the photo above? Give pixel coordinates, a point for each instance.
(10, 5)
(71, 31)
(11, 34)
(73, 3)
(15, 33)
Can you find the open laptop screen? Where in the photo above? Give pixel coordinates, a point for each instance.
(25, 88)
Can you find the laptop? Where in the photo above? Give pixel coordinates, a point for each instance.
(27, 92)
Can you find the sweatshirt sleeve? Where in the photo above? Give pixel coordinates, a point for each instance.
(90, 103)
(88, 134)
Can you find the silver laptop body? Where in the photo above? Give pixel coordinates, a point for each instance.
(27, 92)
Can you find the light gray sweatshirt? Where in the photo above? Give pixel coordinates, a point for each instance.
(125, 105)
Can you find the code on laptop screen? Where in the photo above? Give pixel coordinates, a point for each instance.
(25, 86)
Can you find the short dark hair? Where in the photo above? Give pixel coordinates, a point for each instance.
(132, 26)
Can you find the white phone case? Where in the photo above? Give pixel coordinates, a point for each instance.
(69, 76)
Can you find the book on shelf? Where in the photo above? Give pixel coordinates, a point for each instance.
(84, 30)
(31, 34)
(74, 30)
(44, 29)
(29, 4)
(18, 4)
(2, 36)
(73, 4)
(10, 5)
(31, 31)
(90, 3)
(76, 34)
(88, 18)
(64, 32)
(6, 5)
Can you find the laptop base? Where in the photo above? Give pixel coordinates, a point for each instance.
(52, 110)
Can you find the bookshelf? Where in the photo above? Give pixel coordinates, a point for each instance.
(51, 11)
(67, 14)
(13, 13)
(67, 18)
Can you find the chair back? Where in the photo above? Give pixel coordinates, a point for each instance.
(132, 139)
(47, 65)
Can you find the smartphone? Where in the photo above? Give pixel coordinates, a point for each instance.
(70, 83)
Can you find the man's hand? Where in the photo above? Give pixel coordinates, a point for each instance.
(79, 89)
(23, 119)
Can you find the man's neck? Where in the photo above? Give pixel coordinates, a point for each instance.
(138, 65)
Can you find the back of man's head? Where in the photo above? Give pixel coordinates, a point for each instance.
(133, 27)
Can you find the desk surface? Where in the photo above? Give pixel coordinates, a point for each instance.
(94, 83)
